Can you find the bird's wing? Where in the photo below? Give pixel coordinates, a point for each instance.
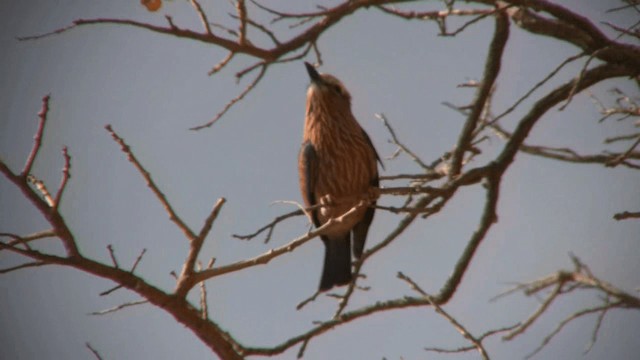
(361, 229)
(366, 136)
(308, 168)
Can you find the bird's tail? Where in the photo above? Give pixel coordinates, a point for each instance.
(337, 262)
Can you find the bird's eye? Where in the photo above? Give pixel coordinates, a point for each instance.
(337, 89)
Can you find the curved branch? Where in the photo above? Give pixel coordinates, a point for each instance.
(169, 30)
(574, 29)
(209, 332)
(589, 78)
(491, 70)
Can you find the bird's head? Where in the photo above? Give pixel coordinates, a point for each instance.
(326, 87)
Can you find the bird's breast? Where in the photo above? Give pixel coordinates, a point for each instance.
(346, 167)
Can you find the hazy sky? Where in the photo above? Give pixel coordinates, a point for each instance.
(152, 88)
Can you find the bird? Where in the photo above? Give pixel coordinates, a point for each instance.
(337, 168)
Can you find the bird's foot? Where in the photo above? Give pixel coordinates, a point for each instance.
(327, 200)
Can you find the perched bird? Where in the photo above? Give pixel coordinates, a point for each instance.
(337, 168)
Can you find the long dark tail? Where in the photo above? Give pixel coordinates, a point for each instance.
(360, 231)
(337, 262)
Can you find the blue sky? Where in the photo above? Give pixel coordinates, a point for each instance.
(152, 88)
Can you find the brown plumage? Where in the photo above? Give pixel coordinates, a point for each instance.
(337, 167)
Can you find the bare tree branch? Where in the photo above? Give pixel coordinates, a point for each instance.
(203, 17)
(563, 282)
(569, 155)
(133, 269)
(492, 68)
(189, 234)
(233, 101)
(477, 344)
(535, 87)
(119, 307)
(112, 255)
(270, 226)
(575, 29)
(188, 268)
(23, 266)
(24, 240)
(51, 214)
(266, 257)
(402, 147)
(627, 215)
(37, 139)
(219, 66)
(536, 16)
(95, 353)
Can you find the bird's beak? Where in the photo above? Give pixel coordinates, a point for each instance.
(313, 73)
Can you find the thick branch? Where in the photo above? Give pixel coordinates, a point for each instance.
(220, 342)
(491, 70)
(329, 18)
(589, 78)
(53, 216)
(489, 217)
(575, 29)
(569, 155)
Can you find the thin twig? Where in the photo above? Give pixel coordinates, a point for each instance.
(135, 263)
(24, 240)
(492, 68)
(628, 137)
(113, 256)
(202, 15)
(37, 139)
(433, 15)
(579, 78)
(622, 157)
(23, 266)
(536, 86)
(234, 100)
(395, 141)
(189, 234)
(271, 254)
(623, 31)
(119, 307)
(66, 175)
(262, 28)
(204, 308)
(219, 66)
(422, 177)
(195, 245)
(270, 226)
(133, 269)
(283, 15)
(541, 309)
(562, 324)
(444, 32)
(95, 352)
(477, 344)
